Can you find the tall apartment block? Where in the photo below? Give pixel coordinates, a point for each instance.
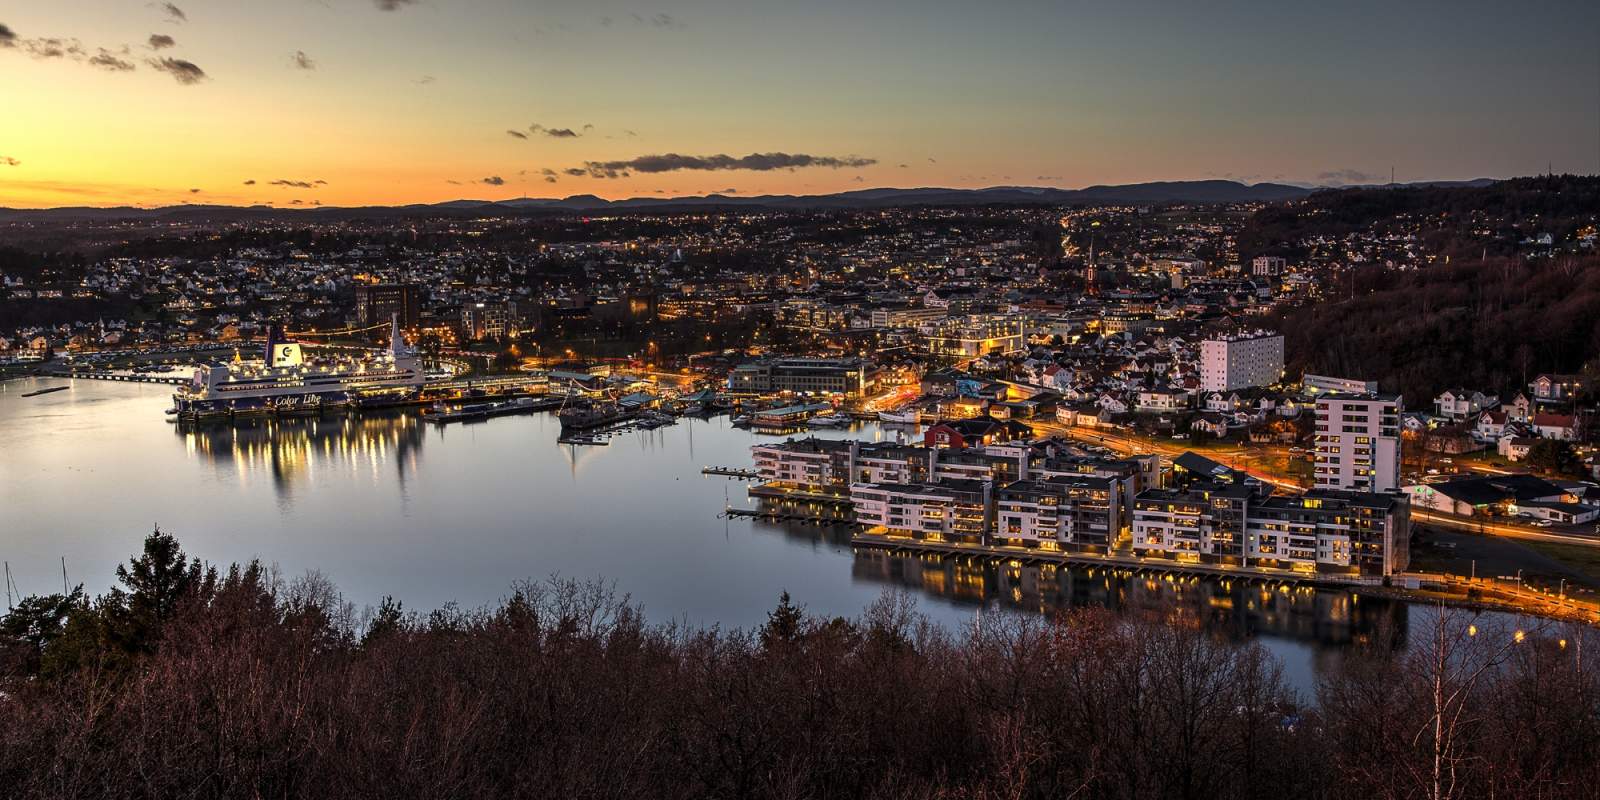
(1358, 442)
(1241, 360)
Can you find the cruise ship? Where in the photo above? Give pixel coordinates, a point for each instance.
(286, 381)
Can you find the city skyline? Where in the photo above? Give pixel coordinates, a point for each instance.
(359, 102)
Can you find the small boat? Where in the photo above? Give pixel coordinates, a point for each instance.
(741, 420)
(901, 417)
(828, 421)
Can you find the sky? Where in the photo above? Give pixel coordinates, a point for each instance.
(358, 102)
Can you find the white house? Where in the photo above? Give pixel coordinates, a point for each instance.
(1461, 404)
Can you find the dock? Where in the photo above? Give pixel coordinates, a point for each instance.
(781, 516)
(731, 472)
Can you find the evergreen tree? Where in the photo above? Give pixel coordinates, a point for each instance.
(783, 623)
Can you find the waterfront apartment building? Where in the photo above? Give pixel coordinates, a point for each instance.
(1079, 513)
(378, 303)
(1240, 361)
(1203, 523)
(950, 511)
(976, 335)
(1358, 442)
(1322, 531)
(850, 377)
(832, 465)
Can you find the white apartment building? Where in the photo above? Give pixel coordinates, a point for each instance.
(1267, 266)
(1241, 361)
(1358, 442)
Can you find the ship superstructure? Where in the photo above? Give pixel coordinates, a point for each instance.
(286, 380)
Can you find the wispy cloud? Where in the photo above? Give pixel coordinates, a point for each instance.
(558, 133)
(757, 162)
(392, 5)
(8, 161)
(516, 134)
(174, 13)
(250, 182)
(494, 180)
(658, 20)
(302, 61)
(284, 182)
(424, 80)
(159, 41)
(549, 175)
(184, 72)
(110, 62)
(8, 37)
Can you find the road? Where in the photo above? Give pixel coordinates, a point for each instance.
(1238, 457)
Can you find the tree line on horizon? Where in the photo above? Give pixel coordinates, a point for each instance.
(187, 680)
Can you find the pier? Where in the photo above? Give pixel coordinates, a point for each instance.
(731, 472)
(770, 515)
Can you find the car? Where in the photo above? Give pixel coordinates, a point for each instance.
(1447, 461)
(1541, 523)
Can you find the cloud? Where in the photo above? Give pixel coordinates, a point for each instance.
(161, 40)
(302, 61)
(551, 179)
(673, 162)
(494, 180)
(184, 72)
(392, 5)
(174, 13)
(8, 37)
(729, 191)
(8, 161)
(902, 166)
(657, 20)
(559, 133)
(51, 47)
(424, 80)
(1347, 176)
(517, 134)
(250, 182)
(286, 183)
(194, 191)
(626, 132)
(110, 62)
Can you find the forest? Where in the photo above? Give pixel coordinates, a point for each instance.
(1490, 325)
(1456, 221)
(194, 681)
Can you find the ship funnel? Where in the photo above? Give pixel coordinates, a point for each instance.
(397, 343)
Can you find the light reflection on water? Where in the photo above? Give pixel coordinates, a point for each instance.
(387, 504)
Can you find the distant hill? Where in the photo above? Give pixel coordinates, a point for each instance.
(1163, 192)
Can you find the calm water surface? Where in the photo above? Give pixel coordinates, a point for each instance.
(432, 515)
